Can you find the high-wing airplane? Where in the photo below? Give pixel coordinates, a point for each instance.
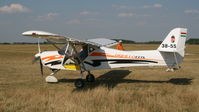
(96, 54)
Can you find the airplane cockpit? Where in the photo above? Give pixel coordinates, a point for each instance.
(75, 54)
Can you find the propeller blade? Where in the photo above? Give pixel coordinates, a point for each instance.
(41, 68)
(37, 57)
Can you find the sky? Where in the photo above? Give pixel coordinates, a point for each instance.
(138, 20)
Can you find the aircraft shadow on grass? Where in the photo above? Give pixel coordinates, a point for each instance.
(114, 77)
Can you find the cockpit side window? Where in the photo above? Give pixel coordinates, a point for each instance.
(91, 49)
(62, 50)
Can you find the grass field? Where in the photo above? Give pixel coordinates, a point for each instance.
(135, 89)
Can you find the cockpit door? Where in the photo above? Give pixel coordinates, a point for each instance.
(69, 61)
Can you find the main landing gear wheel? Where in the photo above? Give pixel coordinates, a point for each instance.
(90, 78)
(79, 83)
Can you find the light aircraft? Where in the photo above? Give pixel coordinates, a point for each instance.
(96, 54)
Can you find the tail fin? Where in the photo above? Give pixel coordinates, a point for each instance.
(174, 42)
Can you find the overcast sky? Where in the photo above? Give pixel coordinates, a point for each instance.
(138, 20)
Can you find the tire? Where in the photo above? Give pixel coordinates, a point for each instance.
(79, 83)
(90, 78)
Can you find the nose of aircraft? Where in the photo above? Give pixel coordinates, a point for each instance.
(36, 58)
(37, 55)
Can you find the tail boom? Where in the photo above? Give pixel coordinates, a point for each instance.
(170, 53)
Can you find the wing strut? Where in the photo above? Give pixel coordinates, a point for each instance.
(39, 49)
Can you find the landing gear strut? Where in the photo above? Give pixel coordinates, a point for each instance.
(79, 83)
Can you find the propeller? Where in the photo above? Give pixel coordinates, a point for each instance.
(38, 57)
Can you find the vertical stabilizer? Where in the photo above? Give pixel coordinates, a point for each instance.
(174, 42)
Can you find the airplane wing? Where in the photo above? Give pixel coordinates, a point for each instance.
(59, 38)
(48, 36)
(102, 42)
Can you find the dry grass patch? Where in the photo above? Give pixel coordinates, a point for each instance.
(135, 89)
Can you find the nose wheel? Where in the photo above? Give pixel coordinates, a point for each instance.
(51, 78)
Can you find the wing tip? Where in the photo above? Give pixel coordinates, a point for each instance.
(39, 33)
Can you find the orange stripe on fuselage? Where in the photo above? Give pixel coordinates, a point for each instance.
(50, 58)
(120, 56)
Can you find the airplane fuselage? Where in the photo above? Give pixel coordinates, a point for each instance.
(105, 58)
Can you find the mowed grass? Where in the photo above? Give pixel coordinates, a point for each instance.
(133, 89)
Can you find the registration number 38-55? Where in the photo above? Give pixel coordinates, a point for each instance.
(168, 45)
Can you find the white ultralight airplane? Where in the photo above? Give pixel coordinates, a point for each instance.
(96, 54)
